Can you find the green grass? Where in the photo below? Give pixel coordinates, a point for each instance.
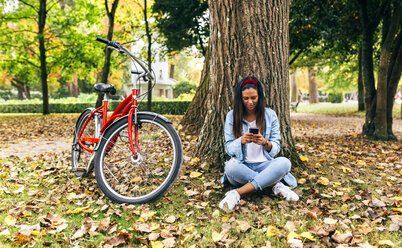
(338, 108)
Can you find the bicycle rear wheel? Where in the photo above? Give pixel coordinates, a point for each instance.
(126, 180)
(80, 158)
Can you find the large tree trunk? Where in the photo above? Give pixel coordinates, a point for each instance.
(106, 66)
(43, 67)
(196, 112)
(293, 87)
(390, 28)
(394, 75)
(149, 55)
(367, 70)
(21, 88)
(360, 86)
(247, 38)
(312, 86)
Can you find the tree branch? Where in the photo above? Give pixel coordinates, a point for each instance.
(29, 5)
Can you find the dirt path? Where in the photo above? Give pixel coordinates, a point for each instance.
(317, 125)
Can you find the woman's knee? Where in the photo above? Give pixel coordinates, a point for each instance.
(232, 166)
(284, 164)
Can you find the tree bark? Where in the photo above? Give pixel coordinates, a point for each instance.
(149, 55)
(106, 65)
(293, 87)
(312, 86)
(196, 111)
(22, 88)
(73, 88)
(42, 57)
(394, 75)
(247, 38)
(390, 27)
(360, 86)
(367, 69)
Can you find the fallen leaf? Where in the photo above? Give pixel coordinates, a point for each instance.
(342, 238)
(330, 221)
(195, 174)
(271, 231)
(323, 181)
(216, 236)
(386, 243)
(303, 158)
(243, 226)
(169, 242)
(156, 244)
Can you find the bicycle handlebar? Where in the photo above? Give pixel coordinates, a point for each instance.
(122, 49)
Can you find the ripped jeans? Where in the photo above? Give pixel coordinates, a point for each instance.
(260, 175)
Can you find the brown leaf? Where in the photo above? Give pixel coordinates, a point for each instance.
(346, 197)
(153, 236)
(169, 242)
(342, 238)
(122, 238)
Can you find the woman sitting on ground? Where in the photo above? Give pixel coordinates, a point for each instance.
(252, 166)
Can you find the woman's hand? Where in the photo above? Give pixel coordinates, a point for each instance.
(259, 139)
(247, 138)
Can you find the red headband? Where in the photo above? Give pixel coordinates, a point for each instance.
(249, 81)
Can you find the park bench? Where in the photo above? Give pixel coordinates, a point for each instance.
(293, 106)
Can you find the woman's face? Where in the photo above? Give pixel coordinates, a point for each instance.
(250, 98)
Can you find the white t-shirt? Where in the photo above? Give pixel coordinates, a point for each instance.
(254, 152)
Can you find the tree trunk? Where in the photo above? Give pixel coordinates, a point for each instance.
(20, 88)
(394, 75)
(293, 87)
(367, 70)
(390, 28)
(42, 50)
(360, 86)
(73, 89)
(247, 38)
(196, 111)
(106, 66)
(312, 86)
(149, 55)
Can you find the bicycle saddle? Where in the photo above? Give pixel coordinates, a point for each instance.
(108, 88)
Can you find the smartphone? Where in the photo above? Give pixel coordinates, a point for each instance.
(254, 130)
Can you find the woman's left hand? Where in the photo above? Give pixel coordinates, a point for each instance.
(259, 139)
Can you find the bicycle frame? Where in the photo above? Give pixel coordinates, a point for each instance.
(128, 106)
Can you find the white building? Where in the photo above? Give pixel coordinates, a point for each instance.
(164, 84)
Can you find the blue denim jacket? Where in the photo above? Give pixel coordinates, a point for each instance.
(235, 149)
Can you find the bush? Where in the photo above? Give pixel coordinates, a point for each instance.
(335, 97)
(184, 88)
(162, 107)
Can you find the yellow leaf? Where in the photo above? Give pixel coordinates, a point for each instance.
(397, 210)
(36, 233)
(323, 181)
(146, 214)
(156, 244)
(195, 160)
(79, 210)
(346, 169)
(271, 231)
(9, 220)
(216, 236)
(195, 174)
(313, 125)
(154, 226)
(337, 184)
(307, 235)
(190, 228)
(204, 204)
(303, 158)
(302, 181)
(361, 162)
(292, 235)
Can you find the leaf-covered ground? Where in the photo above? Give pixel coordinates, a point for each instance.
(350, 195)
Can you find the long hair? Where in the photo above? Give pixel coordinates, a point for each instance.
(239, 109)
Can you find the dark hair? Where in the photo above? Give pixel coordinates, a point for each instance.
(239, 109)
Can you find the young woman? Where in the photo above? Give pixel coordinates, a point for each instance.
(252, 166)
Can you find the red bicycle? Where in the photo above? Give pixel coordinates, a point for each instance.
(136, 155)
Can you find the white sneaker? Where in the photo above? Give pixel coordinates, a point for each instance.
(285, 191)
(231, 199)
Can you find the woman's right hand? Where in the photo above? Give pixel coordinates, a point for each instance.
(247, 138)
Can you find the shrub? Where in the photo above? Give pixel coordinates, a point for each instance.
(335, 97)
(183, 88)
(162, 107)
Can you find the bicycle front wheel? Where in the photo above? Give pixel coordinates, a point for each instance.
(125, 179)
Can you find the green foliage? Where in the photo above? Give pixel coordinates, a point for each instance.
(184, 87)
(184, 23)
(335, 97)
(161, 107)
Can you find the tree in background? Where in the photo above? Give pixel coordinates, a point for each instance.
(184, 23)
(183, 88)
